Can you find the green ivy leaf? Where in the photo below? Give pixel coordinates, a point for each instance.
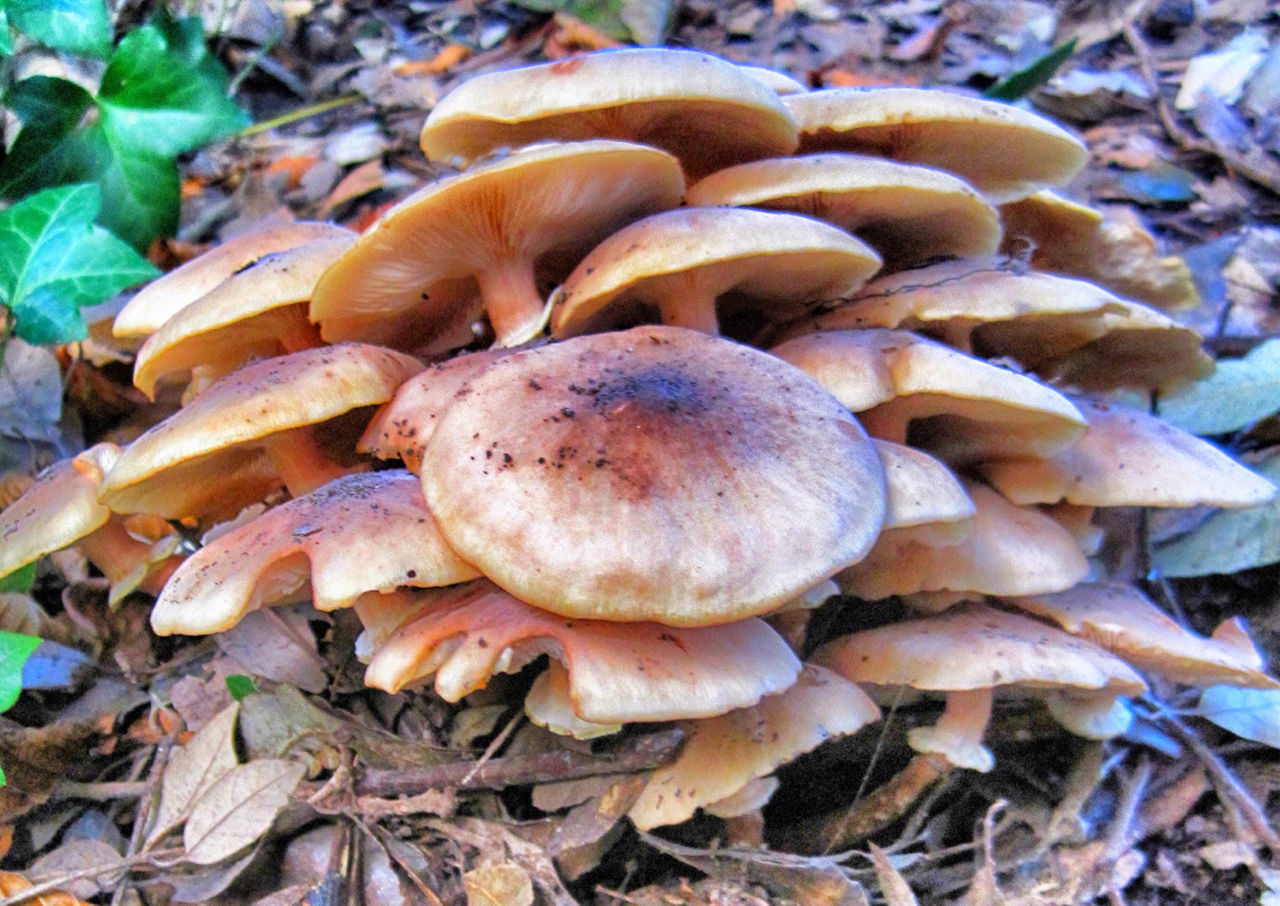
(20, 580)
(1021, 83)
(54, 260)
(65, 141)
(15, 648)
(76, 26)
(160, 96)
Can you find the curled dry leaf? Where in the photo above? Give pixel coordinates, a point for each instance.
(194, 769)
(239, 809)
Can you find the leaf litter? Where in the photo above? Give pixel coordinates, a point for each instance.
(233, 794)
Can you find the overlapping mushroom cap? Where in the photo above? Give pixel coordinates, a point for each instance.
(1003, 151)
(705, 110)
(419, 276)
(575, 475)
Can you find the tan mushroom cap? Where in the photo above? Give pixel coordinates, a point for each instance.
(356, 534)
(780, 82)
(1001, 150)
(165, 296)
(906, 213)
(1007, 548)
(723, 754)
(704, 110)
(965, 302)
(469, 242)
(906, 388)
(575, 475)
(258, 306)
(1130, 458)
(618, 672)
(401, 428)
(259, 406)
(680, 263)
(1122, 620)
(1000, 649)
(1114, 251)
(57, 510)
(921, 491)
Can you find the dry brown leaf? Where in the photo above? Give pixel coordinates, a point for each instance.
(277, 644)
(506, 884)
(194, 769)
(11, 883)
(239, 809)
(72, 859)
(366, 178)
(894, 887)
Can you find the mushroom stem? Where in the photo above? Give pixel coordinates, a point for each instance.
(300, 462)
(957, 736)
(296, 332)
(696, 311)
(516, 309)
(128, 563)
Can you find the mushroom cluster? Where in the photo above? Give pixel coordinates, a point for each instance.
(785, 360)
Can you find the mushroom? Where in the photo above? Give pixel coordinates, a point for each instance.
(706, 111)
(617, 672)
(923, 495)
(173, 469)
(427, 268)
(1001, 650)
(722, 755)
(1129, 458)
(61, 508)
(259, 310)
(575, 476)
(908, 214)
(164, 297)
(358, 533)
(687, 264)
(1122, 620)
(1004, 152)
(906, 388)
(1008, 551)
(1112, 249)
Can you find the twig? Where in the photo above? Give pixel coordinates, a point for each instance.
(301, 113)
(492, 748)
(636, 754)
(101, 792)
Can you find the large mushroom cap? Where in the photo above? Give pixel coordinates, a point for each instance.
(1004, 152)
(164, 297)
(1130, 458)
(575, 475)
(618, 672)
(357, 534)
(169, 468)
(705, 110)
(681, 263)
(421, 274)
(256, 306)
(907, 213)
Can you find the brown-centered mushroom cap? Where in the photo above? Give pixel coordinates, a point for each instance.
(262, 405)
(425, 270)
(1003, 151)
(656, 473)
(1130, 458)
(356, 534)
(999, 649)
(618, 672)
(722, 754)
(257, 307)
(907, 388)
(165, 296)
(686, 264)
(1007, 548)
(1122, 620)
(906, 213)
(706, 111)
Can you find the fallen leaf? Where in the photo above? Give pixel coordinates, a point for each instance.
(1252, 714)
(366, 178)
(506, 884)
(1238, 393)
(11, 883)
(30, 392)
(448, 57)
(193, 770)
(1223, 72)
(74, 858)
(204, 883)
(276, 644)
(239, 809)
(894, 887)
